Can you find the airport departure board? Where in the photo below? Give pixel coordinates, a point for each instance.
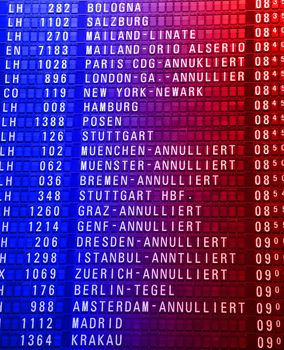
(141, 174)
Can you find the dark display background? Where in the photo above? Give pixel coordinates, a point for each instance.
(141, 174)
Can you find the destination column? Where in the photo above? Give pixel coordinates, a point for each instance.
(160, 248)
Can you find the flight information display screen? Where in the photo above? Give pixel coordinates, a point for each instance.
(141, 174)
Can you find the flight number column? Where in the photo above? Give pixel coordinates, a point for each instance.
(48, 208)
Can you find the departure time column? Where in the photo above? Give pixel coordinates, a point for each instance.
(268, 178)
